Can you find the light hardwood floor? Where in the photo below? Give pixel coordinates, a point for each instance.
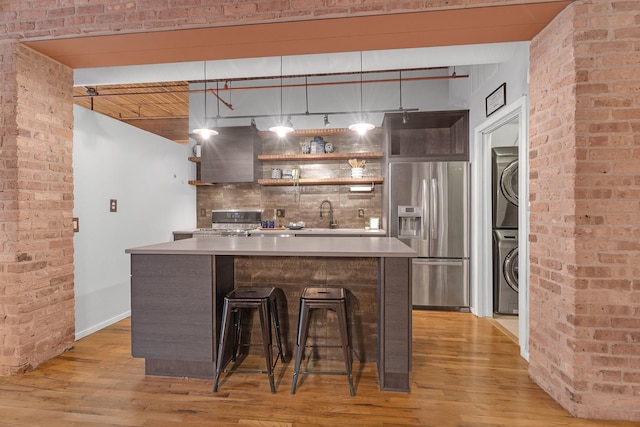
(465, 373)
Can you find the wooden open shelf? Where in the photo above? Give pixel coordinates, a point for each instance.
(322, 181)
(318, 157)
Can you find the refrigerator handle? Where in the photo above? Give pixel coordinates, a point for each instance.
(424, 210)
(433, 220)
(431, 261)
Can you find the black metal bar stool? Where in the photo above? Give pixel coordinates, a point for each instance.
(262, 299)
(329, 298)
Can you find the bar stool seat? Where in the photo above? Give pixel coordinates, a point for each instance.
(330, 298)
(262, 299)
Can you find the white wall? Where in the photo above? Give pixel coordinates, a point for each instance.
(148, 176)
(486, 78)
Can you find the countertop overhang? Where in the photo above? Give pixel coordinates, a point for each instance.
(282, 246)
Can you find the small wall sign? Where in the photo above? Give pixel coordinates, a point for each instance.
(496, 99)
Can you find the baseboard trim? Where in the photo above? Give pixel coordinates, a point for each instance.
(102, 325)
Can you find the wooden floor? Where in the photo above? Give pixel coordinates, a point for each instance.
(465, 373)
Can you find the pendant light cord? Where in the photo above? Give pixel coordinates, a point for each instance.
(205, 94)
(401, 90)
(218, 96)
(361, 88)
(281, 116)
(306, 94)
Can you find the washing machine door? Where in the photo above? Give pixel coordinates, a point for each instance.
(509, 182)
(510, 269)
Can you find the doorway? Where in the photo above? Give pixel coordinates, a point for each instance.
(511, 120)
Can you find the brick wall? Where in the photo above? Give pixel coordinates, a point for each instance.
(8, 202)
(585, 221)
(36, 295)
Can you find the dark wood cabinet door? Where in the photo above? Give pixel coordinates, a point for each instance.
(171, 307)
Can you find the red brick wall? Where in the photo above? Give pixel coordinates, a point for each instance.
(36, 291)
(8, 203)
(585, 216)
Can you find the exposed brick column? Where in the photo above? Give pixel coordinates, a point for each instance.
(585, 209)
(36, 194)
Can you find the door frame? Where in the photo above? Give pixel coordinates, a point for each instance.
(482, 245)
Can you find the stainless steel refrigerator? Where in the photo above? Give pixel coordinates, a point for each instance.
(429, 211)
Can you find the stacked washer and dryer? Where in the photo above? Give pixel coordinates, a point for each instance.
(504, 182)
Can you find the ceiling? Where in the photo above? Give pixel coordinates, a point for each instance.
(161, 107)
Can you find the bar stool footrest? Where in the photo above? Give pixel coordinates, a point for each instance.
(324, 372)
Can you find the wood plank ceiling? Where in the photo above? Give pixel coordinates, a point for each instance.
(159, 108)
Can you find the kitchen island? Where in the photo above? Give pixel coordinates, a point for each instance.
(177, 291)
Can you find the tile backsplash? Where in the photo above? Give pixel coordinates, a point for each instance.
(302, 203)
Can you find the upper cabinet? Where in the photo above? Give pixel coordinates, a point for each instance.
(428, 135)
(231, 156)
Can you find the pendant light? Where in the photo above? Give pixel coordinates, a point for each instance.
(205, 132)
(284, 127)
(362, 127)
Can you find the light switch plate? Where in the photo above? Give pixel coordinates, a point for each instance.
(113, 205)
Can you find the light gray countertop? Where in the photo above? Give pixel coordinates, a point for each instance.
(283, 246)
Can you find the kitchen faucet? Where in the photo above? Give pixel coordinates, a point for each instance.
(331, 223)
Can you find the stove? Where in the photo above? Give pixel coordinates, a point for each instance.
(231, 222)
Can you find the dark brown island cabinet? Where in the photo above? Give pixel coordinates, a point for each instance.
(177, 290)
